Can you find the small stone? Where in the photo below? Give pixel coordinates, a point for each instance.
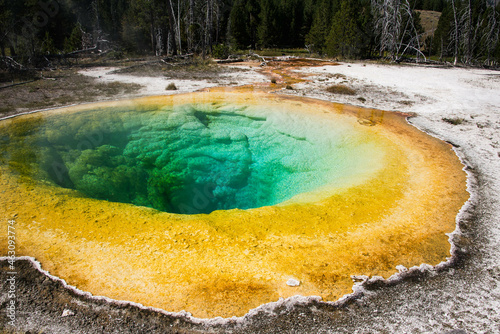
(67, 313)
(292, 282)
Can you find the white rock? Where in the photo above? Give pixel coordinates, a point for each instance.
(67, 313)
(292, 282)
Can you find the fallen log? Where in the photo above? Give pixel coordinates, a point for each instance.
(18, 84)
(228, 61)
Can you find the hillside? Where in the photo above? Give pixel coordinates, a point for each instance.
(429, 21)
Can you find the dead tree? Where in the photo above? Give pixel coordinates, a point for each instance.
(387, 22)
(207, 31)
(393, 37)
(178, 25)
(468, 38)
(190, 26)
(455, 32)
(410, 37)
(171, 23)
(175, 25)
(465, 32)
(490, 37)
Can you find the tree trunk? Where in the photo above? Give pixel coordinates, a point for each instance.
(492, 35)
(467, 41)
(441, 52)
(208, 29)
(191, 26)
(97, 24)
(456, 33)
(159, 41)
(152, 30)
(171, 20)
(179, 25)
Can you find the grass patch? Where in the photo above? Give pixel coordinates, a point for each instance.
(454, 120)
(341, 90)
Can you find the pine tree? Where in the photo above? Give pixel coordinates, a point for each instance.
(74, 42)
(243, 23)
(344, 36)
(316, 38)
(6, 25)
(442, 41)
(268, 30)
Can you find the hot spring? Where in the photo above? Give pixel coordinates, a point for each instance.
(210, 202)
(196, 158)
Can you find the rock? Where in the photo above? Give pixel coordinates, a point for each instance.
(67, 313)
(292, 282)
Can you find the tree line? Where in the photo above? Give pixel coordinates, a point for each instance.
(468, 30)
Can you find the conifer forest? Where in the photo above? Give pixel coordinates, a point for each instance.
(467, 32)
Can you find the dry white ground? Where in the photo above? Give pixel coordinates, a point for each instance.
(463, 299)
(156, 85)
(468, 299)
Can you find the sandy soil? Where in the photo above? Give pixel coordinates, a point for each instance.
(461, 298)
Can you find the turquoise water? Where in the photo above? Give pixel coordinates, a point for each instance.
(193, 158)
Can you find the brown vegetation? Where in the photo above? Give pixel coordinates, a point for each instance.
(429, 21)
(171, 86)
(454, 121)
(341, 90)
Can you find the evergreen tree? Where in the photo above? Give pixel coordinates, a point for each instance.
(74, 41)
(467, 29)
(344, 36)
(268, 30)
(243, 23)
(47, 46)
(350, 35)
(6, 24)
(111, 13)
(442, 41)
(320, 27)
(292, 19)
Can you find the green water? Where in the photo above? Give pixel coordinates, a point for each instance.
(189, 159)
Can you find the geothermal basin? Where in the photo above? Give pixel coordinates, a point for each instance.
(218, 202)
